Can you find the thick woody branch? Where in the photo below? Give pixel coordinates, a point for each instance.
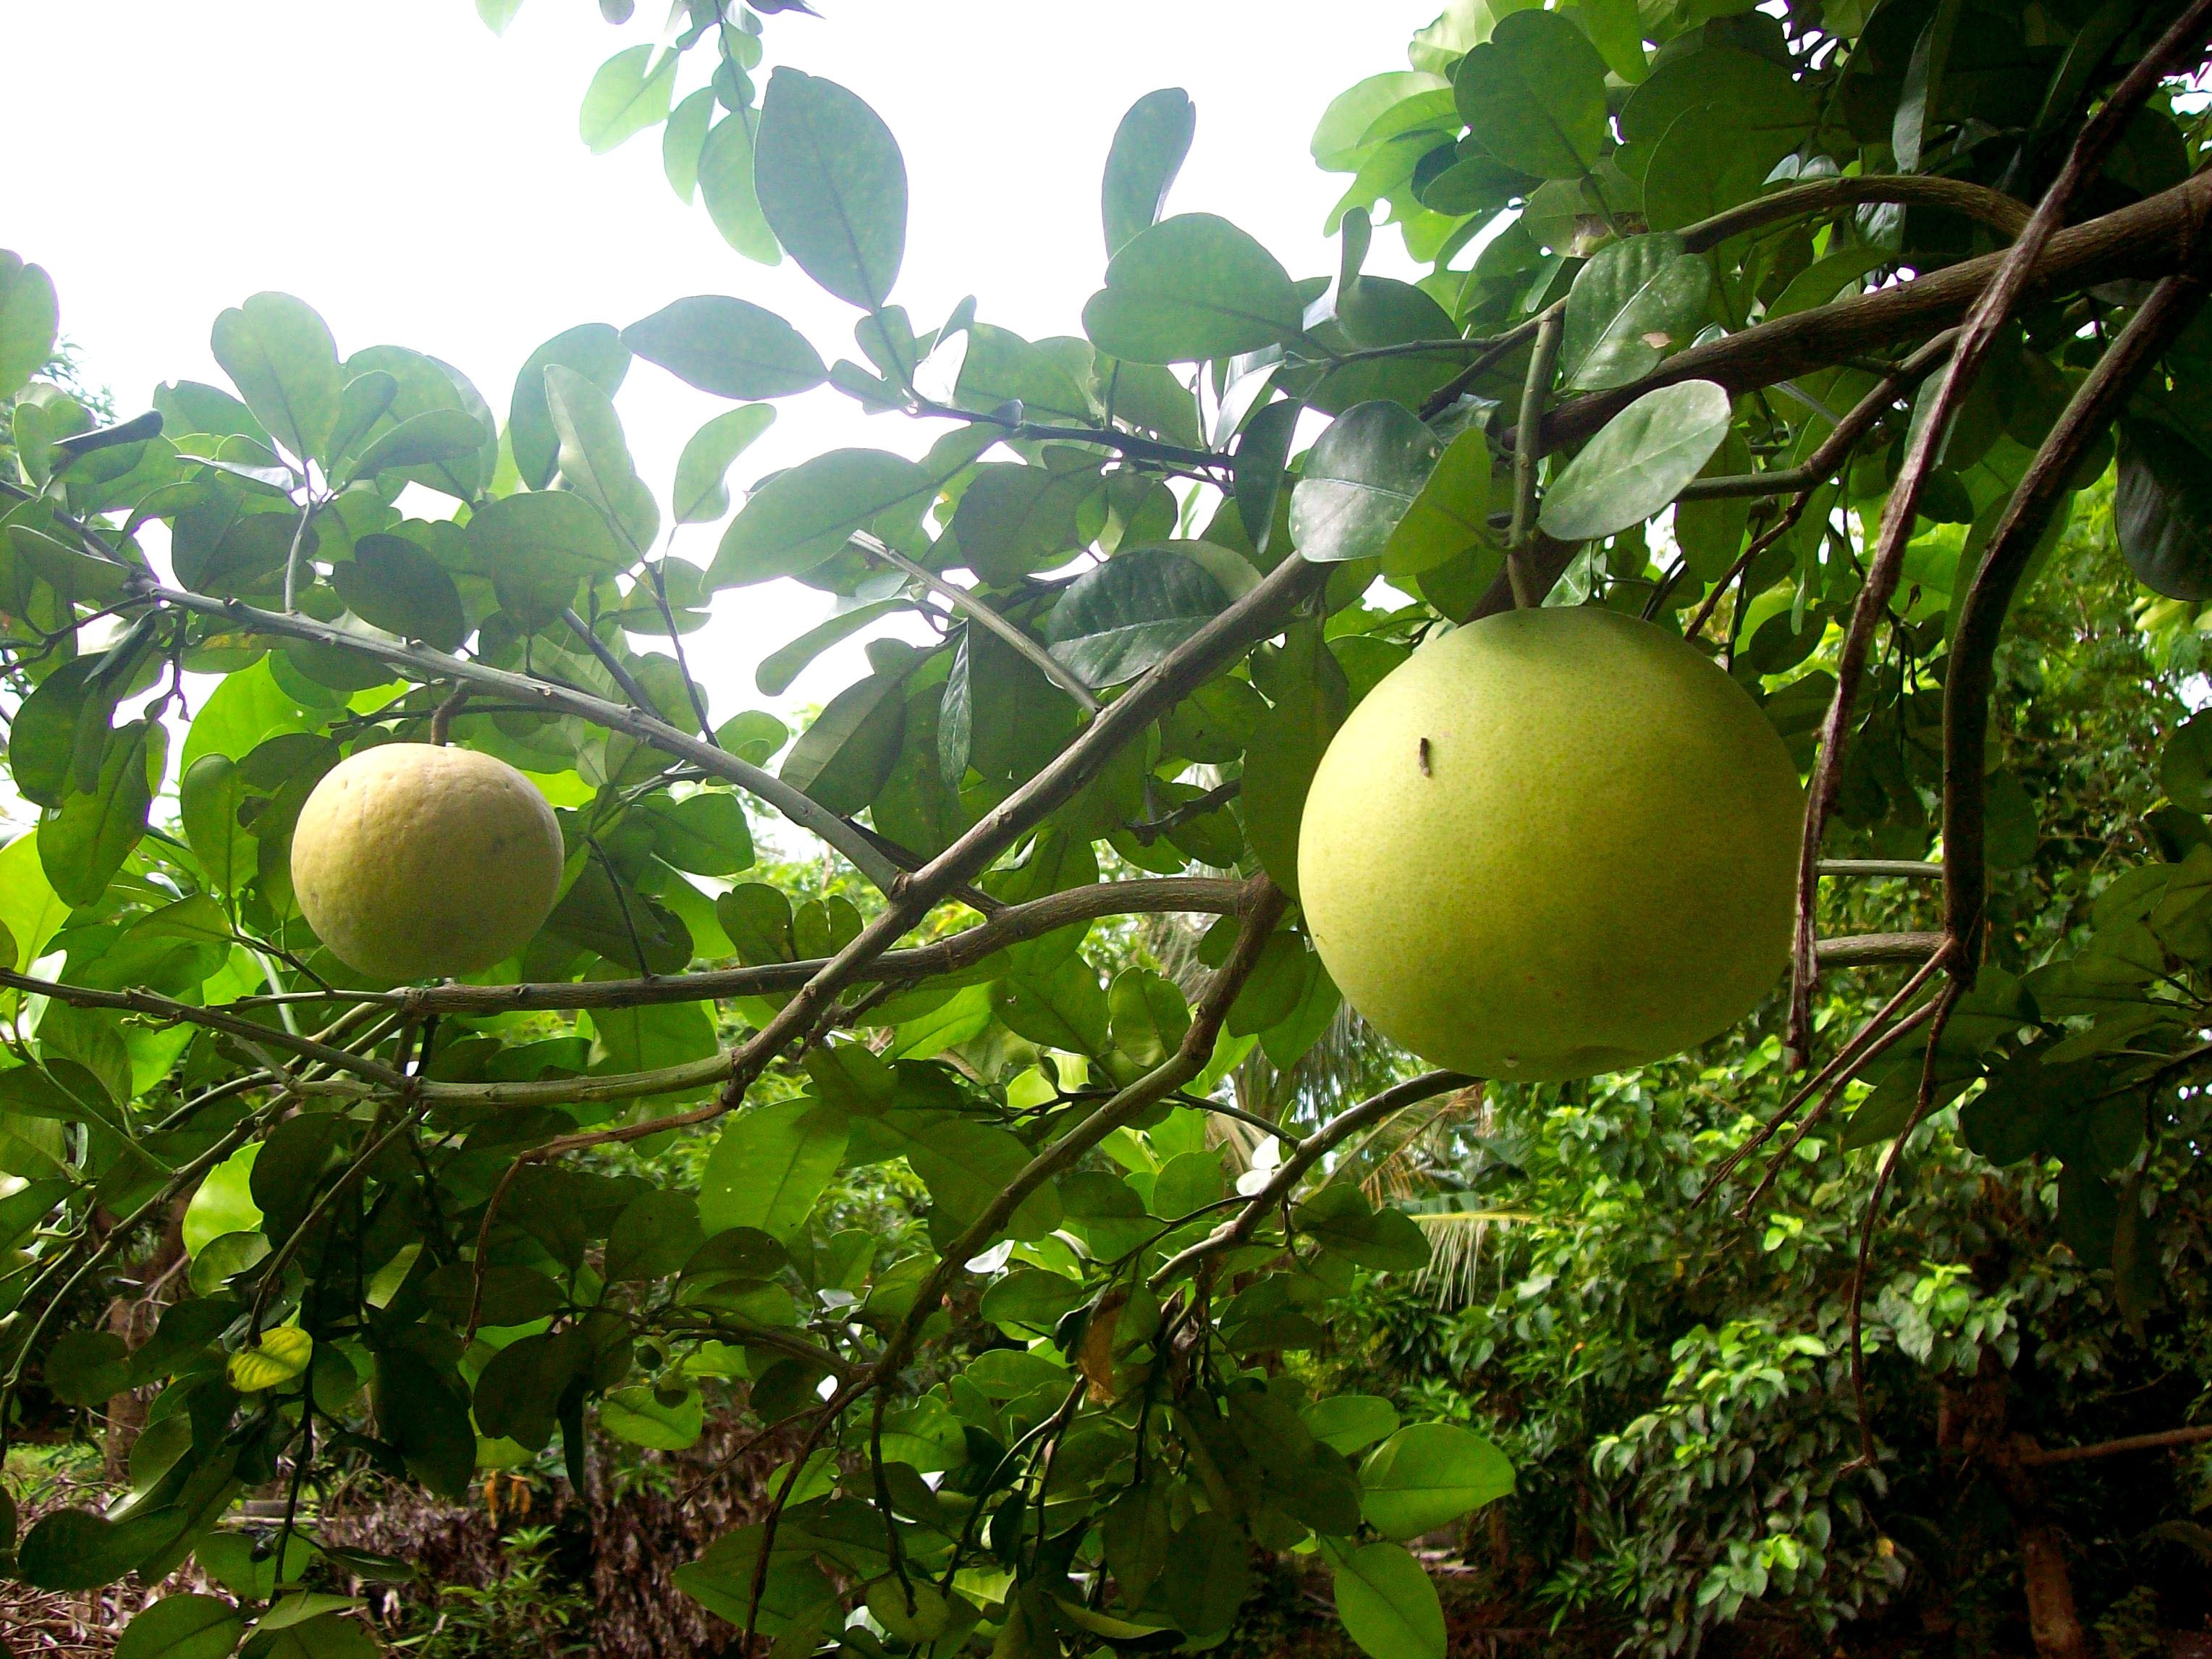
(2145, 239)
(2171, 307)
(2003, 214)
(1187, 894)
(2167, 1439)
(1877, 949)
(1330, 1135)
(429, 664)
(2017, 268)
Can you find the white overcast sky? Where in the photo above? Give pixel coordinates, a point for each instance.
(420, 181)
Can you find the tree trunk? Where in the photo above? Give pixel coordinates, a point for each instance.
(2052, 1619)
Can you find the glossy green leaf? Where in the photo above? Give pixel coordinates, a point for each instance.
(1638, 462)
(637, 1415)
(1450, 517)
(208, 798)
(630, 94)
(1115, 622)
(280, 355)
(705, 833)
(595, 351)
(82, 845)
(1191, 288)
(1361, 477)
(832, 185)
(1388, 1605)
(800, 518)
(1428, 1475)
(844, 757)
(1148, 151)
(2162, 509)
(181, 1627)
(702, 491)
(768, 1167)
(1534, 95)
(1635, 302)
(546, 535)
(1349, 1422)
(731, 347)
(30, 318)
(77, 1550)
(1341, 1219)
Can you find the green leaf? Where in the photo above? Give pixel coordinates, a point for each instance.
(30, 320)
(1065, 1009)
(1340, 1220)
(1636, 300)
(1191, 288)
(769, 1166)
(42, 744)
(785, 663)
(418, 1411)
(655, 1235)
(1148, 151)
(1349, 1423)
(1213, 1573)
(1013, 520)
(1361, 477)
(1279, 763)
(593, 351)
(727, 183)
(845, 756)
(208, 802)
(29, 908)
(518, 1396)
(636, 1414)
(1450, 517)
(436, 435)
(594, 456)
(392, 584)
(181, 1627)
(1388, 1605)
(1640, 463)
(1115, 622)
(549, 535)
(630, 92)
(802, 517)
(82, 845)
(832, 186)
(1428, 1475)
(684, 139)
(1263, 453)
(1534, 95)
(2162, 510)
(77, 1550)
(87, 1368)
(280, 355)
(702, 493)
(731, 347)
(705, 833)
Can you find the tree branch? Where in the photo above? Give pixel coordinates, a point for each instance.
(1044, 662)
(2171, 306)
(2008, 280)
(429, 664)
(2003, 214)
(1188, 895)
(2144, 239)
(2040, 1458)
(1237, 1231)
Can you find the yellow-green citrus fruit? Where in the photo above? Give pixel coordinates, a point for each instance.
(412, 861)
(1553, 842)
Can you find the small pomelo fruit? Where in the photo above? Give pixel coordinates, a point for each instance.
(1553, 842)
(414, 861)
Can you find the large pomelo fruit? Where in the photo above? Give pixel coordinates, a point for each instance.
(1553, 842)
(414, 861)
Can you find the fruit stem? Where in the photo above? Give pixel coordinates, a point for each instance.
(1527, 450)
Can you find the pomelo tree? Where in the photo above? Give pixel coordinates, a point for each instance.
(1790, 331)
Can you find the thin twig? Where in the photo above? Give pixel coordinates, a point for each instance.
(1041, 659)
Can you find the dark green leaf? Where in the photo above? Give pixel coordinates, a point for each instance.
(280, 355)
(1388, 1604)
(181, 1627)
(83, 844)
(798, 519)
(1340, 1220)
(392, 584)
(1534, 95)
(1115, 622)
(2162, 509)
(843, 758)
(1636, 301)
(1360, 477)
(1013, 520)
(784, 665)
(769, 1166)
(1191, 288)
